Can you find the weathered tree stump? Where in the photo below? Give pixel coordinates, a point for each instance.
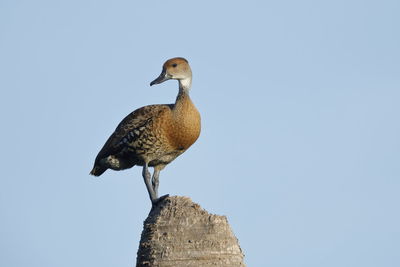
(178, 232)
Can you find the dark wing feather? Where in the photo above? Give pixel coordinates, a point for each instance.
(135, 120)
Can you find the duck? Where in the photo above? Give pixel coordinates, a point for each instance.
(154, 135)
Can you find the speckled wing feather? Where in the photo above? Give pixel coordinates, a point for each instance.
(130, 129)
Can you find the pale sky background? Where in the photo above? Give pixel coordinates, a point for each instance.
(300, 142)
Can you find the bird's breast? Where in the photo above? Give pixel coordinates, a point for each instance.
(185, 127)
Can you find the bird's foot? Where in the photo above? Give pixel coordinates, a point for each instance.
(158, 200)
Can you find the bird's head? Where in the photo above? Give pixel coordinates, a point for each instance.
(177, 69)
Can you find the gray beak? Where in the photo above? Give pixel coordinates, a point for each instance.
(162, 78)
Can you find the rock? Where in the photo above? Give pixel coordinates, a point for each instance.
(178, 232)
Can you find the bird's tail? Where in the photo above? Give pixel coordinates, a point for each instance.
(98, 170)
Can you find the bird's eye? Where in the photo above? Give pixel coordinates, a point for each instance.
(174, 65)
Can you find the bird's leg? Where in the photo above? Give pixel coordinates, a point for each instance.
(147, 177)
(155, 180)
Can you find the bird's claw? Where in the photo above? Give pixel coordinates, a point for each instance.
(158, 200)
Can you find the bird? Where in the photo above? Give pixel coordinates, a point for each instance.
(154, 135)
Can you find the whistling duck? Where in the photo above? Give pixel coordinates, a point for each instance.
(154, 135)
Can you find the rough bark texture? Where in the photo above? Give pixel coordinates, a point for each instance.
(178, 232)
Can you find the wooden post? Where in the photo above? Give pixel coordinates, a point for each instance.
(178, 232)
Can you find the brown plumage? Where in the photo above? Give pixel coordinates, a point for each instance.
(153, 136)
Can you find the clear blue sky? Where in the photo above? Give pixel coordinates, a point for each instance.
(300, 142)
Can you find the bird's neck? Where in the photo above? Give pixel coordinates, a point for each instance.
(183, 99)
(185, 85)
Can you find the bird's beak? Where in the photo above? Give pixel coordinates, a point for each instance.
(162, 78)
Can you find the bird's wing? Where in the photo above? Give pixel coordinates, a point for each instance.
(128, 129)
